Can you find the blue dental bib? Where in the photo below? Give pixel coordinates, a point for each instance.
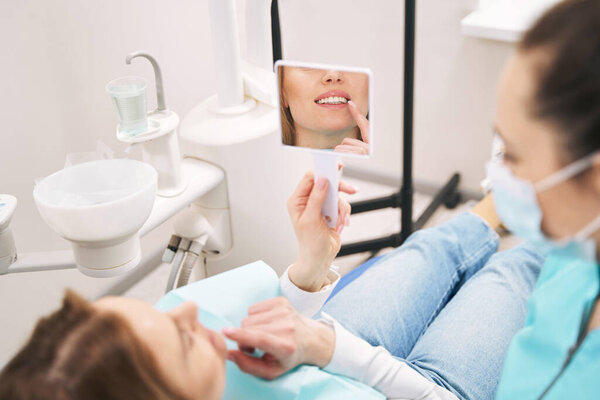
(223, 301)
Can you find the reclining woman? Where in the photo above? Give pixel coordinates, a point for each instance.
(441, 309)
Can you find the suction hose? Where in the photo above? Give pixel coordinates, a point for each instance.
(192, 255)
(180, 249)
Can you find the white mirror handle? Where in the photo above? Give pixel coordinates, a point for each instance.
(326, 165)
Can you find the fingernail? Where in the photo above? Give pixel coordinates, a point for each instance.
(340, 229)
(351, 103)
(352, 187)
(228, 331)
(321, 182)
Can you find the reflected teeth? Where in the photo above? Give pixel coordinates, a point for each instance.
(333, 100)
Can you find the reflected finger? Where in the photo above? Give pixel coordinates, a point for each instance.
(361, 121)
(353, 142)
(348, 149)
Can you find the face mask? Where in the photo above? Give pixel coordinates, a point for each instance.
(517, 206)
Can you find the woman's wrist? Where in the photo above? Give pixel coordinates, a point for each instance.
(486, 210)
(320, 344)
(308, 278)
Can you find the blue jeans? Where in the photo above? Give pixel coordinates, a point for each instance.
(445, 302)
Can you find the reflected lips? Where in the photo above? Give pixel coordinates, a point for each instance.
(333, 99)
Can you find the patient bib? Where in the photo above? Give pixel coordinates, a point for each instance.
(223, 301)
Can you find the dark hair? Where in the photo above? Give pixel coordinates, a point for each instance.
(568, 90)
(80, 353)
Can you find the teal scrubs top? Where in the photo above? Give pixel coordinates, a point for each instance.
(564, 295)
(223, 301)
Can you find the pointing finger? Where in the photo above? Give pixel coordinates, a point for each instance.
(361, 121)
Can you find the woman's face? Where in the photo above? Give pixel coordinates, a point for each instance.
(317, 98)
(189, 355)
(534, 151)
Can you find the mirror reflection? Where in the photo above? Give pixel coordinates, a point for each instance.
(323, 108)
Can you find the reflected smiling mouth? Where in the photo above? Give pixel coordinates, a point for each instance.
(334, 97)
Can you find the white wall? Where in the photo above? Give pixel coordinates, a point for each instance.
(58, 55)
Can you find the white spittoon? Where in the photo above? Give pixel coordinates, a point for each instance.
(99, 207)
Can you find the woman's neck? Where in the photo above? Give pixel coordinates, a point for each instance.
(319, 140)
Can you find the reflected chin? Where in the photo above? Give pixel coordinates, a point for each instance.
(336, 127)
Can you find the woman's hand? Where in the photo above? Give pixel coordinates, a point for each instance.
(355, 146)
(286, 338)
(318, 244)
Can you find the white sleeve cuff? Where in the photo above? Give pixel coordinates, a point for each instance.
(376, 367)
(308, 303)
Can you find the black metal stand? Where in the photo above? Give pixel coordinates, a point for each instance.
(448, 195)
(276, 32)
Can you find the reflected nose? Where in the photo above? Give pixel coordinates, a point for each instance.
(331, 76)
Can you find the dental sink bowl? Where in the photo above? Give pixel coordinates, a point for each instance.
(99, 206)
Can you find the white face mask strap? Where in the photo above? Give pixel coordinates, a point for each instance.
(589, 230)
(568, 172)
